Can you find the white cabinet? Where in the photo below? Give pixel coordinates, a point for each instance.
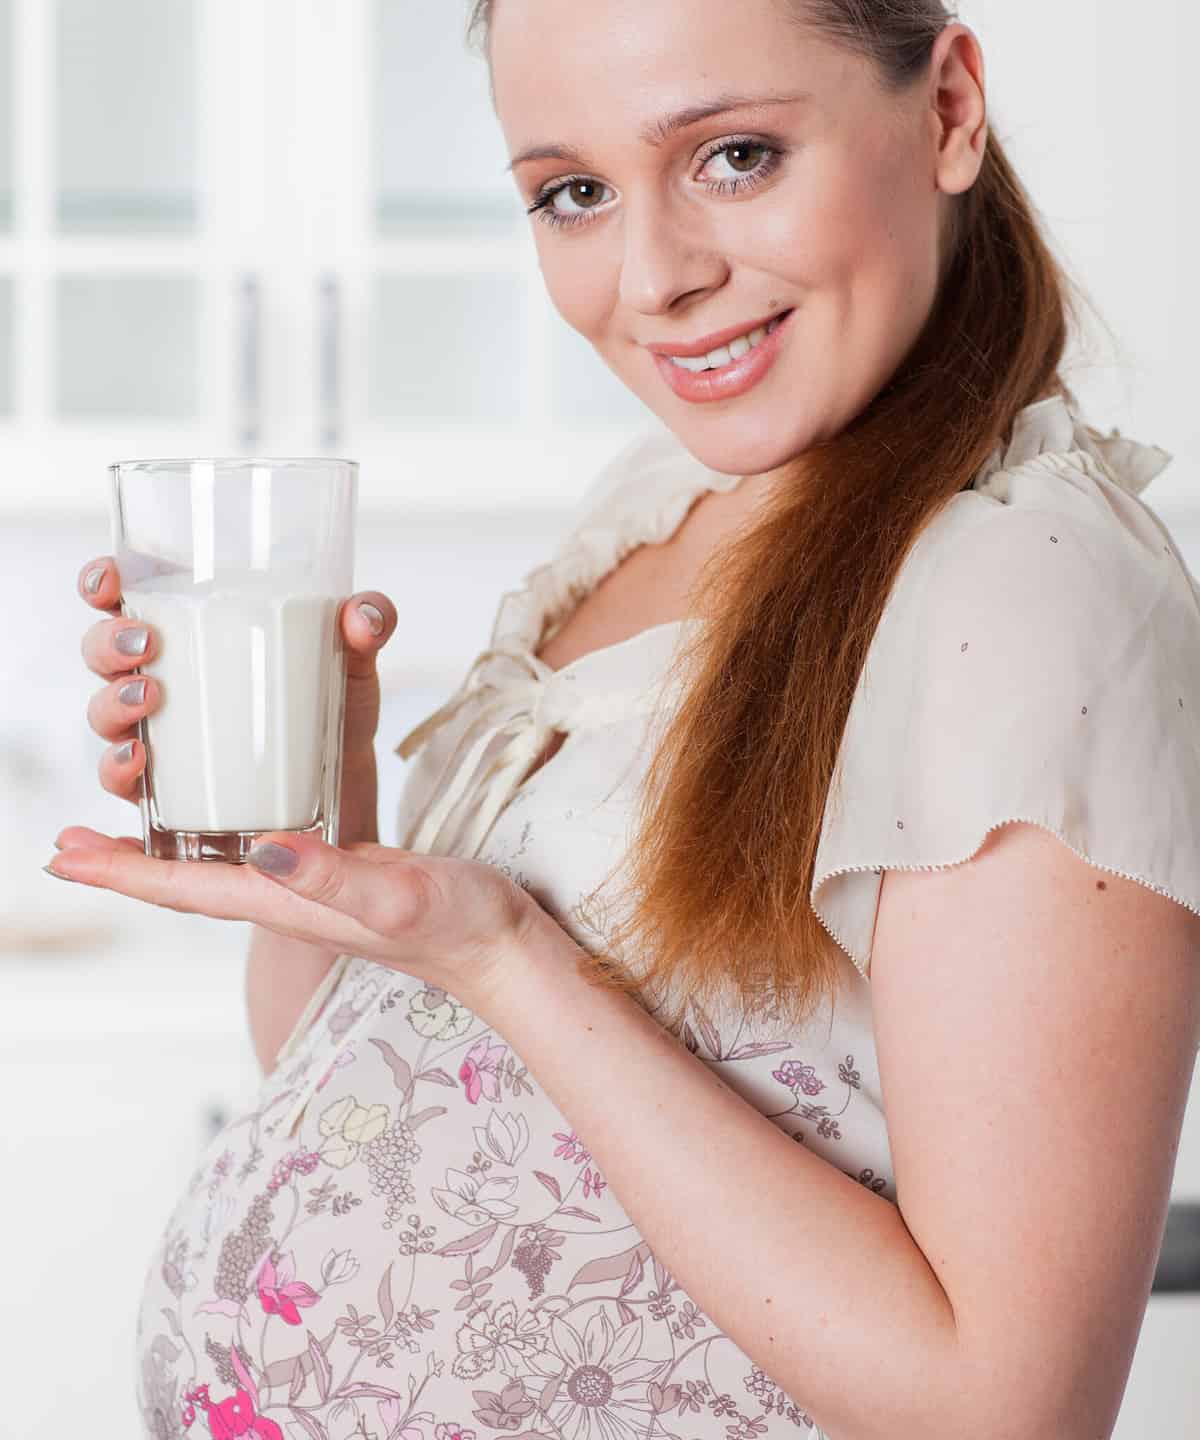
(275, 227)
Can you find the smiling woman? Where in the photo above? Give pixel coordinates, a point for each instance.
(880, 783)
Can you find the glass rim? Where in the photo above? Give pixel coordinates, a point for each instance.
(276, 462)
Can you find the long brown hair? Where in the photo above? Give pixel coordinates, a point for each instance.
(736, 790)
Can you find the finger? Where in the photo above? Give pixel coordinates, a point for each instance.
(388, 894)
(114, 711)
(84, 835)
(221, 891)
(368, 621)
(120, 769)
(114, 647)
(99, 582)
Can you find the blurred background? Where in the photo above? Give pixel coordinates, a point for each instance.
(283, 227)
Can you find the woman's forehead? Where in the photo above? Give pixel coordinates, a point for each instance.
(651, 58)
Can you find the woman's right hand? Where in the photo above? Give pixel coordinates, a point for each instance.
(115, 719)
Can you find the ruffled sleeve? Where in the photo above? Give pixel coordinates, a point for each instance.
(1038, 660)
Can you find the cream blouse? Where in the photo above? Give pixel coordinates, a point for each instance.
(402, 1205)
(1021, 670)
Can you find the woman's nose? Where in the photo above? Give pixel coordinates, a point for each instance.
(667, 254)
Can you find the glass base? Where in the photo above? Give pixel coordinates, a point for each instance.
(231, 846)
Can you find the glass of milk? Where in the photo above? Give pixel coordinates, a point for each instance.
(240, 567)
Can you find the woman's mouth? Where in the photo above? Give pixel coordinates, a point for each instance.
(728, 371)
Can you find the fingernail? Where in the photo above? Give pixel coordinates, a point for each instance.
(123, 754)
(57, 876)
(93, 580)
(132, 642)
(372, 616)
(273, 859)
(132, 693)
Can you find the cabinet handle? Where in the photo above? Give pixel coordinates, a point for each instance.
(249, 390)
(329, 305)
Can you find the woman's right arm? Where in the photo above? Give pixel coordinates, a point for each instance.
(281, 974)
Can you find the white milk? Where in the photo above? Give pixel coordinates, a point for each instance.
(245, 664)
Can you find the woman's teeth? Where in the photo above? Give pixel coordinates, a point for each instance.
(726, 354)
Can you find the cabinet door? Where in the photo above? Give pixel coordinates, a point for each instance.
(135, 136)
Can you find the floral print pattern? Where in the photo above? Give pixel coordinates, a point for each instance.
(434, 1254)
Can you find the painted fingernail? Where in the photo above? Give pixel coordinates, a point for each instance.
(132, 693)
(57, 876)
(372, 616)
(273, 859)
(133, 641)
(93, 580)
(123, 754)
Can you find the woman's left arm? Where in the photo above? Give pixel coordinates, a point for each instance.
(1036, 1022)
(815, 1277)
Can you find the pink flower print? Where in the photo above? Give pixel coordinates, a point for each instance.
(280, 1294)
(238, 1416)
(592, 1178)
(571, 1148)
(452, 1430)
(231, 1418)
(480, 1071)
(797, 1076)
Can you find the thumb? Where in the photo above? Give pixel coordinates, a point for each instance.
(386, 896)
(368, 620)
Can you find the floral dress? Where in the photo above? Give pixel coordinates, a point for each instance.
(401, 1236)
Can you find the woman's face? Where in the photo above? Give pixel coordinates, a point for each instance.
(829, 205)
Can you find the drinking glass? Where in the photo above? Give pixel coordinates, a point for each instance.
(240, 566)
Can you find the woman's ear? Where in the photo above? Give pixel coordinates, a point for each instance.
(958, 106)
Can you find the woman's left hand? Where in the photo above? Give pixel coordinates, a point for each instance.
(458, 924)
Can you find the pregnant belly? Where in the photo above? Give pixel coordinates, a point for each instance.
(429, 1253)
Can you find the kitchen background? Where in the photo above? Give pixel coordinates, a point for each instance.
(282, 227)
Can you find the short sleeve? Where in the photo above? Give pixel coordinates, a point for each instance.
(1038, 660)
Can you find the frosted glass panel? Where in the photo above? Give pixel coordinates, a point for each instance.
(6, 344)
(126, 100)
(127, 345)
(582, 387)
(447, 347)
(6, 116)
(438, 153)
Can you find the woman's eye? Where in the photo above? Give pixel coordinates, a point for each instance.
(587, 194)
(742, 157)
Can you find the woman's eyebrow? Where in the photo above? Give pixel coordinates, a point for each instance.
(659, 131)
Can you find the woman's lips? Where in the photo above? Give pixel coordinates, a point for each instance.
(731, 380)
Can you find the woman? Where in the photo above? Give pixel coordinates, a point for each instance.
(873, 639)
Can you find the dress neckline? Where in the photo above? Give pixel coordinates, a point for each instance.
(515, 701)
(663, 480)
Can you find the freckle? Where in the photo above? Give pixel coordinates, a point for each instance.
(1101, 884)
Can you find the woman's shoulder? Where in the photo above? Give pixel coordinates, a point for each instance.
(1037, 660)
(1052, 536)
